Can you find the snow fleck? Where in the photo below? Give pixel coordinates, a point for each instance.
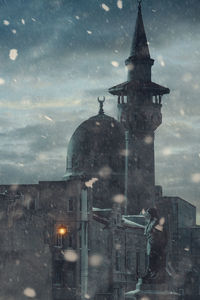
(148, 139)
(195, 86)
(70, 255)
(116, 51)
(33, 19)
(119, 198)
(115, 63)
(130, 67)
(97, 123)
(187, 249)
(87, 296)
(161, 61)
(23, 21)
(90, 182)
(145, 298)
(14, 31)
(95, 260)
(2, 81)
(124, 152)
(187, 77)
(199, 155)
(195, 177)
(20, 164)
(17, 262)
(117, 246)
(89, 32)
(13, 54)
(162, 221)
(167, 151)
(29, 292)
(48, 118)
(6, 22)
(154, 10)
(105, 7)
(105, 172)
(120, 4)
(182, 113)
(77, 17)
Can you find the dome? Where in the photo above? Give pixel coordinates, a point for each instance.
(96, 145)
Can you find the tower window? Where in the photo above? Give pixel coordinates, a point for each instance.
(59, 240)
(117, 260)
(71, 204)
(58, 273)
(70, 241)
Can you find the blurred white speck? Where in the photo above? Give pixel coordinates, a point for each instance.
(130, 67)
(162, 221)
(87, 296)
(124, 152)
(148, 139)
(187, 249)
(20, 164)
(120, 4)
(89, 32)
(195, 177)
(33, 19)
(90, 182)
(199, 155)
(116, 51)
(167, 151)
(119, 198)
(23, 21)
(105, 172)
(77, 17)
(13, 54)
(29, 292)
(14, 31)
(43, 136)
(161, 60)
(145, 298)
(187, 77)
(6, 22)
(95, 260)
(105, 7)
(70, 255)
(115, 63)
(117, 246)
(2, 81)
(97, 123)
(196, 86)
(48, 118)
(182, 113)
(153, 10)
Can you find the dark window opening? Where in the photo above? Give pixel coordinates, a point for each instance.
(71, 204)
(117, 260)
(58, 273)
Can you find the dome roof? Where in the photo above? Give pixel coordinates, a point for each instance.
(96, 144)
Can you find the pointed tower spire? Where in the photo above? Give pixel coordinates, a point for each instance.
(139, 62)
(139, 47)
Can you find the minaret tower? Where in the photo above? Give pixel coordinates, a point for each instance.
(139, 110)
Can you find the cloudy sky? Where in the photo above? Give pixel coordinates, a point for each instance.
(58, 56)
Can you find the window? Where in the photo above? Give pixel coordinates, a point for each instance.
(59, 240)
(137, 263)
(70, 241)
(117, 260)
(71, 204)
(58, 273)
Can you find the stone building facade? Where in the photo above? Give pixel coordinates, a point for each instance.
(83, 237)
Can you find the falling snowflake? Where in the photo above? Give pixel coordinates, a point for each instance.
(2, 81)
(13, 54)
(89, 32)
(182, 113)
(6, 22)
(77, 17)
(48, 118)
(119, 198)
(161, 61)
(23, 21)
(120, 4)
(70, 255)
(167, 151)
(33, 19)
(114, 63)
(195, 177)
(90, 182)
(29, 292)
(14, 31)
(105, 7)
(95, 260)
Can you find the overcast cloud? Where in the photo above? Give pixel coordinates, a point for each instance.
(63, 63)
